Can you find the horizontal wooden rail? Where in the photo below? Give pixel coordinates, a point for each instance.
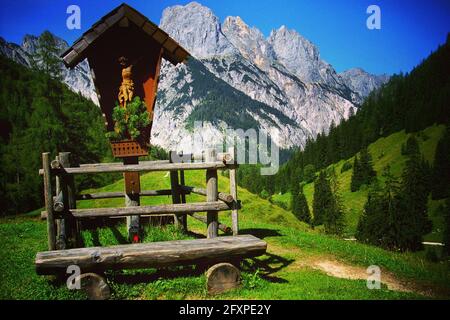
(152, 166)
(228, 198)
(203, 219)
(151, 255)
(180, 208)
(109, 195)
(87, 165)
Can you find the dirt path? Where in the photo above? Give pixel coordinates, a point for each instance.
(335, 268)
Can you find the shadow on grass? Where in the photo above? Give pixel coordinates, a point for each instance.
(267, 265)
(261, 233)
(150, 275)
(119, 237)
(95, 238)
(195, 235)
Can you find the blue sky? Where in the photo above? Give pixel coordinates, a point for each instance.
(410, 30)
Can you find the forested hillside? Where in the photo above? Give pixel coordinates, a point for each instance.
(40, 114)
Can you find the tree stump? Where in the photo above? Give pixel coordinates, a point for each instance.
(222, 277)
(95, 286)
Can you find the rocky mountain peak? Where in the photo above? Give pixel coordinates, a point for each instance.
(30, 43)
(361, 81)
(197, 29)
(297, 54)
(249, 41)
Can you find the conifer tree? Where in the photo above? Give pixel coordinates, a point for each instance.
(363, 172)
(299, 204)
(440, 185)
(47, 54)
(411, 218)
(411, 146)
(323, 198)
(447, 227)
(309, 173)
(376, 225)
(366, 167)
(356, 176)
(334, 217)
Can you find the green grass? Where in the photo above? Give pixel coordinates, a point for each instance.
(385, 151)
(273, 276)
(286, 272)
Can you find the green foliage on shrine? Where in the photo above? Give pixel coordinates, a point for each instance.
(130, 121)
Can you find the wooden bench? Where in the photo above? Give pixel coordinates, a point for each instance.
(151, 255)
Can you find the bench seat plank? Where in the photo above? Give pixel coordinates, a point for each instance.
(151, 255)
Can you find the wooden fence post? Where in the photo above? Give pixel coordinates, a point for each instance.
(132, 190)
(180, 220)
(183, 199)
(48, 195)
(60, 222)
(233, 192)
(211, 195)
(72, 226)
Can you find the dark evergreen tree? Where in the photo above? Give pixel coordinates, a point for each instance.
(299, 204)
(356, 175)
(363, 172)
(346, 166)
(377, 223)
(447, 227)
(47, 54)
(323, 198)
(334, 217)
(309, 173)
(411, 219)
(366, 167)
(440, 185)
(411, 146)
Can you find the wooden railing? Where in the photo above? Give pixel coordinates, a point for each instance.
(63, 218)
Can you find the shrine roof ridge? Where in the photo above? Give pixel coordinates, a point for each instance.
(172, 51)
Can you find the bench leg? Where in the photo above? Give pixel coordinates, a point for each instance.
(95, 286)
(222, 277)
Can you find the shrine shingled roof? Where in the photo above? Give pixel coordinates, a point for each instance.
(172, 51)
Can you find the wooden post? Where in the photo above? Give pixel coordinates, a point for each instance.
(132, 190)
(95, 286)
(180, 220)
(72, 227)
(234, 211)
(222, 277)
(59, 206)
(211, 195)
(51, 232)
(175, 195)
(183, 199)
